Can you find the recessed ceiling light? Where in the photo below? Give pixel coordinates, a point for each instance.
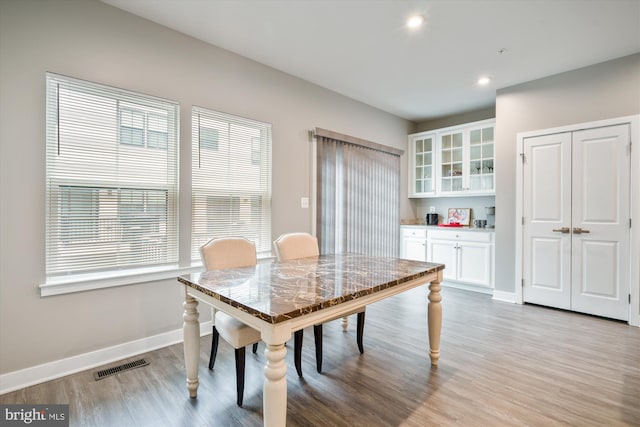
(415, 21)
(483, 81)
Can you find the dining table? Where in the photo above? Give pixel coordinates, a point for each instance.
(278, 298)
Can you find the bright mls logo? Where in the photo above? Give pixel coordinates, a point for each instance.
(35, 415)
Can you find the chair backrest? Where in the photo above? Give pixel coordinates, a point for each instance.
(296, 245)
(228, 252)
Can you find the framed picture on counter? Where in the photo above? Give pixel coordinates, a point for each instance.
(459, 215)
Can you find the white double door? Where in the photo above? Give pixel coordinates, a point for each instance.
(576, 221)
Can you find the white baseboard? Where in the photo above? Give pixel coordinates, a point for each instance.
(504, 296)
(466, 287)
(49, 371)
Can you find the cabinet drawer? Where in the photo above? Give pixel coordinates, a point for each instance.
(467, 236)
(414, 232)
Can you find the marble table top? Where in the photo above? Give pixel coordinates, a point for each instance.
(278, 291)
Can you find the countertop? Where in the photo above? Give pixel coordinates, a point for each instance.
(435, 227)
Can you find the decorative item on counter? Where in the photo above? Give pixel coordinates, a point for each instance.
(459, 216)
(479, 223)
(451, 224)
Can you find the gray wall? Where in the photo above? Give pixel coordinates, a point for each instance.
(93, 41)
(602, 91)
(456, 119)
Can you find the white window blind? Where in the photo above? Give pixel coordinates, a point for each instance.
(111, 179)
(231, 179)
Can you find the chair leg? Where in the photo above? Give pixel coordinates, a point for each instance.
(297, 350)
(255, 348)
(240, 374)
(360, 331)
(215, 337)
(317, 334)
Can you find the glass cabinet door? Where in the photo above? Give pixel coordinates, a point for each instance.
(451, 163)
(481, 156)
(423, 149)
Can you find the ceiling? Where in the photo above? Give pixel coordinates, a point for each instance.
(362, 48)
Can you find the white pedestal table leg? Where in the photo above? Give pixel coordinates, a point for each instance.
(345, 323)
(275, 386)
(434, 311)
(191, 330)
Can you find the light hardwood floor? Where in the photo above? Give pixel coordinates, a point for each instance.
(501, 365)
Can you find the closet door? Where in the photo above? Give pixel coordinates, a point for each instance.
(600, 222)
(547, 220)
(576, 221)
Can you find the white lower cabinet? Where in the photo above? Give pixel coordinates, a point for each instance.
(413, 244)
(467, 255)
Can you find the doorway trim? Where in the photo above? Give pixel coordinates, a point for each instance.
(634, 265)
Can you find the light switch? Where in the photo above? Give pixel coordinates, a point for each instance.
(304, 202)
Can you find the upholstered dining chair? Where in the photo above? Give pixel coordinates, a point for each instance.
(218, 254)
(301, 245)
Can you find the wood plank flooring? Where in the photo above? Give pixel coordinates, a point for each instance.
(501, 365)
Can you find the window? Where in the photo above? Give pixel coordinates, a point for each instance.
(78, 214)
(208, 138)
(231, 179)
(131, 127)
(112, 179)
(255, 151)
(143, 128)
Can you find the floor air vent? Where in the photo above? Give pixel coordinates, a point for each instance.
(117, 369)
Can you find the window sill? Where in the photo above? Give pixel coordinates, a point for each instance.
(87, 282)
(91, 281)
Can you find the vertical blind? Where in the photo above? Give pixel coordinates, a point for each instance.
(231, 179)
(111, 178)
(358, 191)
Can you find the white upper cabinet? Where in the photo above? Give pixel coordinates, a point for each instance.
(422, 170)
(481, 159)
(453, 161)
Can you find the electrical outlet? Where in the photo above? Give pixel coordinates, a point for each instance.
(304, 202)
(432, 209)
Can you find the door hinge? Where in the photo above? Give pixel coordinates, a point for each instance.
(522, 283)
(522, 157)
(522, 220)
(629, 222)
(629, 298)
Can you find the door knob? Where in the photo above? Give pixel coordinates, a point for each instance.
(562, 230)
(578, 230)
